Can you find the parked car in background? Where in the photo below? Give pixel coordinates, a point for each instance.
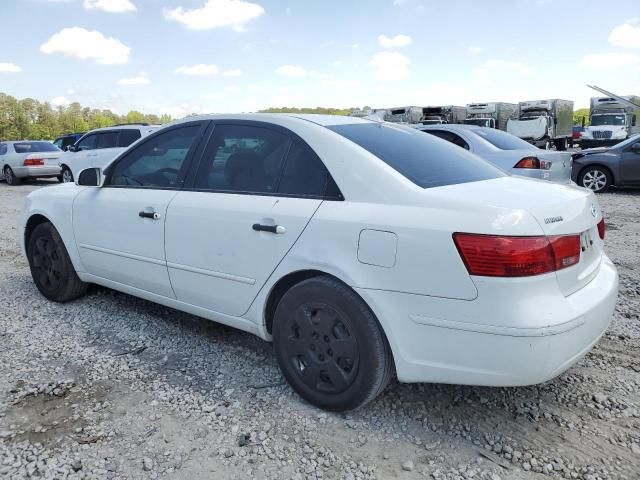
(28, 159)
(576, 135)
(67, 140)
(506, 151)
(435, 265)
(98, 147)
(599, 168)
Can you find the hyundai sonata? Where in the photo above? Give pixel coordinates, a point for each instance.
(361, 249)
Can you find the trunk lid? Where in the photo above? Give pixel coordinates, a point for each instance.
(558, 209)
(561, 166)
(50, 159)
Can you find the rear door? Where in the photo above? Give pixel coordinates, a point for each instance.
(253, 194)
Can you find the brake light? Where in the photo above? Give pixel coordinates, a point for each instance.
(601, 228)
(33, 162)
(509, 256)
(533, 163)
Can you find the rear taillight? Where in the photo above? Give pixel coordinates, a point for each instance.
(533, 163)
(601, 228)
(33, 162)
(506, 256)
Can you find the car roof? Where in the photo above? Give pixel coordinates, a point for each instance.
(322, 120)
(450, 126)
(130, 126)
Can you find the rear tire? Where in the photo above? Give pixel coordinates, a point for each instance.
(595, 178)
(561, 145)
(10, 177)
(51, 267)
(65, 175)
(329, 345)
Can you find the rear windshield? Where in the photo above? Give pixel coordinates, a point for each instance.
(424, 159)
(30, 147)
(502, 140)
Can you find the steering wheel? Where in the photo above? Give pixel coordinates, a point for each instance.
(167, 179)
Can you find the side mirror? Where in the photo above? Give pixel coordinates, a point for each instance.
(635, 148)
(72, 148)
(90, 177)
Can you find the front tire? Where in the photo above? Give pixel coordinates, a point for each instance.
(10, 177)
(597, 179)
(329, 345)
(51, 267)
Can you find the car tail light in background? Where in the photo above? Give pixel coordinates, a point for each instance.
(507, 256)
(33, 162)
(601, 228)
(533, 163)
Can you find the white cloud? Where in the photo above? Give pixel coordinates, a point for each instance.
(60, 101)
(626, 35)
(492, 66)
(394, 42)
(7, 67)
(112, 6)
(216, 14)
(200, 69)
(605, 61)
(475, 49)
(141, 79)
(232, 72)
(291, 71)
(84, 44)
(389, 66)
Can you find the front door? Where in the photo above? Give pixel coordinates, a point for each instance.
(120, 227)
(254, 193)
(630, 165)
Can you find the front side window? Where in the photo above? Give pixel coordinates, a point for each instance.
(421, 158)
(88, 143)
(107, 140)
(31, 147)
(157, 162)
(127, 137)
(242, 158)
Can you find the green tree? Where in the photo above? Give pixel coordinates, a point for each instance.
(579, 114)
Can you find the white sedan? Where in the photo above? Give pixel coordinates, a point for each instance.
(507, 151)
(28, 159)
(361, 249)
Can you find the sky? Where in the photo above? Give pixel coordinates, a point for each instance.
(201, 56)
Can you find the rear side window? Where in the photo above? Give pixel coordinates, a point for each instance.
(127, 137)
(3, 149)
(423, 159)
(304, 174)
(242, 158)
(502, 140)
(107, 140)
(449, 137)
(30, 147)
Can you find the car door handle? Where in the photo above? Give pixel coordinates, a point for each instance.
(269, 228)
(151, 215)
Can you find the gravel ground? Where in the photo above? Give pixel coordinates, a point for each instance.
(111, 386)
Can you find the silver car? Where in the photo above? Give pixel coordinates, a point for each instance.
(506, 151)
(28, 159)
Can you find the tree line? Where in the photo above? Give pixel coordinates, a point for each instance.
(35, 120)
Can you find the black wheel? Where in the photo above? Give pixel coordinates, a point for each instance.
(595, 178)
(65, 175)
(10, 177)
(329, 345)
(51, 267)
(561, 145)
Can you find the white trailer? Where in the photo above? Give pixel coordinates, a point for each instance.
(544, 123)
(490, 114)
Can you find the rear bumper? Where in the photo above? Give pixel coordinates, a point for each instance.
(521, 334)
(45, 171)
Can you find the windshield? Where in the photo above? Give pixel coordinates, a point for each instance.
(502, 140)
(597, 120)
(31, 147)
(628, 141)
(424, 159)
(481, 122)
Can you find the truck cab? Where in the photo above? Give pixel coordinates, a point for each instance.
(610, 122)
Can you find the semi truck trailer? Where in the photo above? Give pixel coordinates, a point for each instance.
(490, 114)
